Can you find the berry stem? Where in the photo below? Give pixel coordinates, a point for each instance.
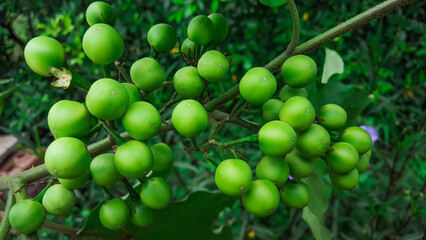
(249, 139)
(114, 135)
(18, 188)
(107, 195)
(132, 193)
(122, 71)
(40, 196)
(5, 225)
(153, 54)
(195, 143)
(107, 71)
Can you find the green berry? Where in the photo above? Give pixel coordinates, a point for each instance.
(162, 37)
(298, 71)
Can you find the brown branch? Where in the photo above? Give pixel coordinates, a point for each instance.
(12, 35)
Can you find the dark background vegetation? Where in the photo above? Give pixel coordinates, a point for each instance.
(386, 57)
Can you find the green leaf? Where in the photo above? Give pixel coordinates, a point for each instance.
(190, 218)
(318, 205)
(350, 97)
(273, 3)
(333, 64)
(7, 92)
(214, 6)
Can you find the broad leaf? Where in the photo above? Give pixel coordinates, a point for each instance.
(318, 205)
(190, 218)
(273, 3)
(333, 64)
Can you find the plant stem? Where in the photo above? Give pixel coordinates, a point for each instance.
(16, 186)
(40, 196)
(114, 135)
(132, 193)
(123, 72)
(107, 195)
(296, 27)
(79, 81)
(195, 143)
(249, 139)
(222, 99)
(351, 24)
(153, 54)
(5, 225)
(256, 112)
(107, 71)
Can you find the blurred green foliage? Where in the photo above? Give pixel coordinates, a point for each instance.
(386, 58)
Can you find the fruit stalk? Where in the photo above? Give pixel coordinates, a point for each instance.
(107, 71)
(5, 225)
(79, 81)
(114, 135)
(39, 197)
(123, 71)
(132, 193)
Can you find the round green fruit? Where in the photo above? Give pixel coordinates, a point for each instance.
(188, 47)
(276, 138)
(147, 74)
(288, 92)
(103, 170)
(213, 66)
(163, 156)
(58, 200)
(332, 116)
(68, 119)
(102, 44)
(190, 118)
(271, 109)
(262, 199)
(357, 137)
(43, 52)
(100, 12)
(75, 183)
(26, 216)
(188, 83)
(133, 159)
(140, 215)
(67, 158)
(274, 169)
(114, 214)
(156, 193)
(298, 112)
(133, 91)
(313, 142)
(233, 177)
(345, 181)
(295, 194)
(107, 99)
(162, 37)
(258, 85)
(142, 120)
(298, 71)
(220, 27)
(364, 161)
(300, 166)
(201, 30)
(342, 157)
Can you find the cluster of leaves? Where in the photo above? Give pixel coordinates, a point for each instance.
(385, 58)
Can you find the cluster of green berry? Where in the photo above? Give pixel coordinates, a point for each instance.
(291, 140)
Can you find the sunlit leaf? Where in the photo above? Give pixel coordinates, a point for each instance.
(333, 64)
